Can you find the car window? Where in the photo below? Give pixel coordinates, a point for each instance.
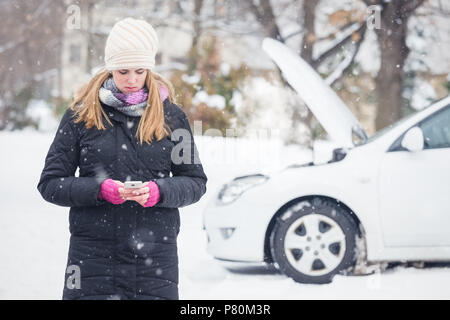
(436, 130)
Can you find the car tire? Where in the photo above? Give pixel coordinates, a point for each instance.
(312, 241)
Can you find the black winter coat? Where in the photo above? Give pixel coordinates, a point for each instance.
(121, 251)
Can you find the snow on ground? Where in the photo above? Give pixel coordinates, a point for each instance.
(34, 235)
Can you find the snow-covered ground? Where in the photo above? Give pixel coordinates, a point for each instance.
(34, 234)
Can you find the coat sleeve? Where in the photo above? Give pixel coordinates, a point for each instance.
(57, 183)
(188, 182)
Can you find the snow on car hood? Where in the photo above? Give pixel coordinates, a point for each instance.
(324, 103)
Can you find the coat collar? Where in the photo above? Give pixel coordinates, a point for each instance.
(114, 114)
(118, 116)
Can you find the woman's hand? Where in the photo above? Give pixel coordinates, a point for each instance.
(146, 196)
(140, 195)
(109, 191)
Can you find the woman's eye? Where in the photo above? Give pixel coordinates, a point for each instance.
(122, 72)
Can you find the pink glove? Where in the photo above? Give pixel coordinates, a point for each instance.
(109, 191)
(154, 194)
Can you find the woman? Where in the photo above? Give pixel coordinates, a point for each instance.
(121, 127)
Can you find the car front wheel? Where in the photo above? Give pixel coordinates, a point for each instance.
(313, 241)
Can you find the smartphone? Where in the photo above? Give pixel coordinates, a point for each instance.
(133, 184)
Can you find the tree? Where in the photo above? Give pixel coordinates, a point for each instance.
(391, 39)
(266, 17)
(193, 54)
(30, 38)
(394, 51)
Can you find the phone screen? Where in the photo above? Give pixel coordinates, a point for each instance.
(133, 184)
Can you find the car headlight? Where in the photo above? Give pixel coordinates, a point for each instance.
(233, 190)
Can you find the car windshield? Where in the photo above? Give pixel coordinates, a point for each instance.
(381, 132)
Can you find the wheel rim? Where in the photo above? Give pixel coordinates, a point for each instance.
(314, 244)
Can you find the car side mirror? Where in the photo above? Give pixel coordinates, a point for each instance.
(413, 139)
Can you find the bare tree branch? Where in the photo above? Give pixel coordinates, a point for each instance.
(337, 47)
(372, 2)
(412, 5)
(309, 17)
(345, 64)
(265, 16)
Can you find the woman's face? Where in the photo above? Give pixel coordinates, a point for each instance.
(129, 80)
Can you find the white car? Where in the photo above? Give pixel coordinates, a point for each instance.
(381, 199)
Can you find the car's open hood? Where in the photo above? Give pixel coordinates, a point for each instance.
(324, 103)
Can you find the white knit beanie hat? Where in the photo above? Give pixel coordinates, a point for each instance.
(131, 43)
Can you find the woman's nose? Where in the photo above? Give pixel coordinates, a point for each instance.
(131, 79)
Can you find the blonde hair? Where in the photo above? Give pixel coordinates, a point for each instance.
(87, 107)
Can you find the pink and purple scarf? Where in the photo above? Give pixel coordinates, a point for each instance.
(132, 104)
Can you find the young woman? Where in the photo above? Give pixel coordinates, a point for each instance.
(124, 126)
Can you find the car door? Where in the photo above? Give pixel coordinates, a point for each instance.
(414, 189)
